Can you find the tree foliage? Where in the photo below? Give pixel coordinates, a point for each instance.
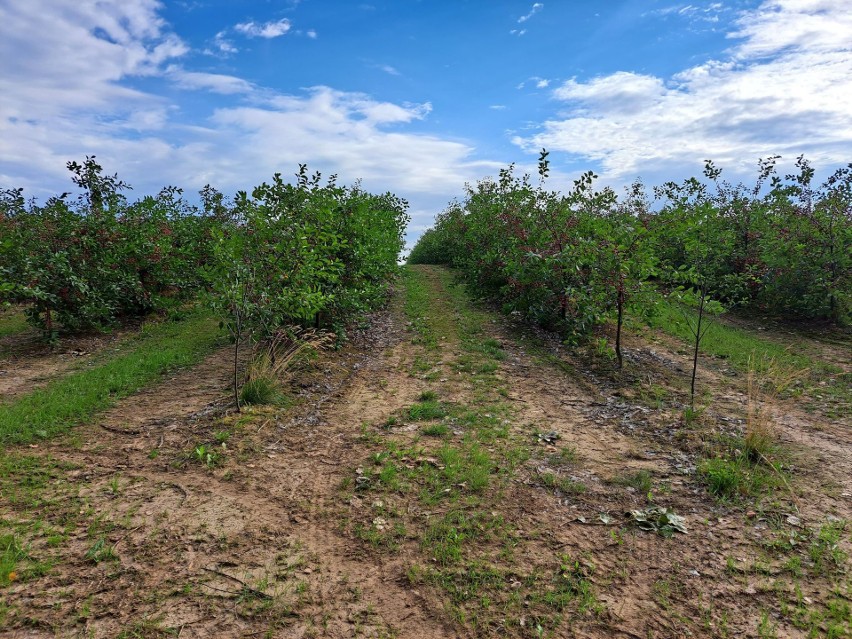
(305, 253)
(574, 261)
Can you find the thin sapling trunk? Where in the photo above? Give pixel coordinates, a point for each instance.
(618, 327)
(698, 336)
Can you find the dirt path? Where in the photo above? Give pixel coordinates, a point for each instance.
(26, 362)
(440, 476)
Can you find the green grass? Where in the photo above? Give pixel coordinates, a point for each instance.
(436, 430)
(446, 536)
(12, 323)
(11, 554)
(563, 484)
(73, 399)
(259, 391)
(734, 344)
(426, 410)
(825, 552)
(734, 477)
(469, 545)
(640, 480)
(419, 307)
(744, 348)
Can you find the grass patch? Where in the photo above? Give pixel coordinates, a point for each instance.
(749, 352)
(259, 391)
(446, 537)
(418, 307)
(73, 399)
(734, 477)
(10, 554)
(381, 534)
(640, 480)
(429, 409)
(12, 323)
(469, 544)
(825, 552)
(563, 484)
(436, 430)
(733, 344)
(16, 563)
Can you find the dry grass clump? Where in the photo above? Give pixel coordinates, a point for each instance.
(274, 360)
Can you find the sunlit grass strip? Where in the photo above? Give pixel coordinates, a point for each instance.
(734, 344)
(419, 306)
(72, 399)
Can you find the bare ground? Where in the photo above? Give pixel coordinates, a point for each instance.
(273, 537)
(27, 362)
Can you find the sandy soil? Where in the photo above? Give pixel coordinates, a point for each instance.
(264, 543)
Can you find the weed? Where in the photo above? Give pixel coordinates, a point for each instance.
(692, 414)
(563, 484)
(382, 534)
(259, 391)
(765, 628)
(12, 323)
(101, 551)
(436, 430)
(825, 552)
(207, 455)
(426, 410)
(568, 455)
(640, 480)
(572, 583)
(10, 554)
(733, 473)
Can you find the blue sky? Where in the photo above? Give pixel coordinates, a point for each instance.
(418, 97)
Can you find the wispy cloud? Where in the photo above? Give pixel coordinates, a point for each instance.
(273, 29)
(389, 69)
(540, 83)
(783, 88)
(222, 46)
(703, 13)
(538, 6)
(497, 107)
(213, 82)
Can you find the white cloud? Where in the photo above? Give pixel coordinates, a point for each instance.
(540, 83)
(538, 6)
(223, 46)
(783, 88)
(694, 13)
(272, 29)
(311, 33)
(497, 107)
(73, 98)
(389, 69)
(70, 55)
(214, 82)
